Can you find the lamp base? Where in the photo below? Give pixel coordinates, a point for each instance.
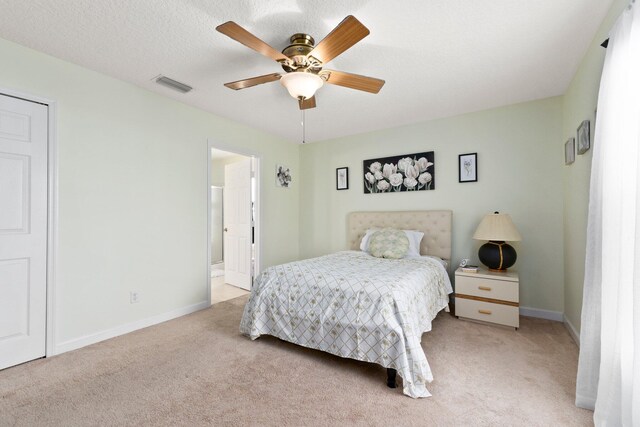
(497, 255)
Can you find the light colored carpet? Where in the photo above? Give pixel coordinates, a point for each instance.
(198, 370)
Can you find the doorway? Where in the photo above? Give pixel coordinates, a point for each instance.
(233, 223)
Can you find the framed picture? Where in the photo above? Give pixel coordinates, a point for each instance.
(342, 178)
(283, 176)
(584, 137)
(468, 167)
(569, 151)
(408, 172)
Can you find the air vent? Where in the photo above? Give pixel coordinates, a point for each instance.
(172, 84)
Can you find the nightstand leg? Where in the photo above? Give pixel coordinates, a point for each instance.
(391, 378)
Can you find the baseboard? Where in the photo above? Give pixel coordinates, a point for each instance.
(542, 314)
(572, 330)
(86, 340)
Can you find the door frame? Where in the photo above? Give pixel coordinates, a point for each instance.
(52, 210)
(257, 220)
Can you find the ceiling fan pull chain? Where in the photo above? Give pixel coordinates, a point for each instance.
(303, 128)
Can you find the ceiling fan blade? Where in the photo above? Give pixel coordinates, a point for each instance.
(349, 32)
(253, 81)
(307, 103)
(353, 81)
(239, 34)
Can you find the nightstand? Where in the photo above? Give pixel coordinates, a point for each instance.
(488, 296)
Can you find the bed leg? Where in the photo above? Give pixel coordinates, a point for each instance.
(391, 378)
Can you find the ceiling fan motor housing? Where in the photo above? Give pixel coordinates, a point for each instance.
(301, 45)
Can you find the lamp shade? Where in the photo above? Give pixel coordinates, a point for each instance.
(497, 227)
(301, 84)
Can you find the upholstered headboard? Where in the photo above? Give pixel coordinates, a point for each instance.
(436, 226)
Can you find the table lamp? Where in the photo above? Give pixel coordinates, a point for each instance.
(497, 228)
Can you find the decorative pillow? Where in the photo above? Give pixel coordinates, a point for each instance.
(389, 243)
(415, 238)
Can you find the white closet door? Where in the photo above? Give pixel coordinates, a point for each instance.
(237, 224)
(23, 230)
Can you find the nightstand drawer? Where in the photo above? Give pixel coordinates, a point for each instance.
(488, 312)
(487, 288)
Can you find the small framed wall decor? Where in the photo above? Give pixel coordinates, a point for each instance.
(283, 176)
(342, 178)
(584, 137)
(569, 151)
(468, 167)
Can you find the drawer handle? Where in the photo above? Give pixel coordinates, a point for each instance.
(484, 311)
(484, 288)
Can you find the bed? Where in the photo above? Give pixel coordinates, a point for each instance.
(357, 306)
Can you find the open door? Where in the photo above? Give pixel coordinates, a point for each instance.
(237, 224)
(23, 230)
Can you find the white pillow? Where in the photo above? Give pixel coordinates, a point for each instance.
(415, 237)
(364, 244)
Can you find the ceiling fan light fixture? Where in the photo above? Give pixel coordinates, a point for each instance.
(301, 84)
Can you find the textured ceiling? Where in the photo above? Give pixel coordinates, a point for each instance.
(439, 57)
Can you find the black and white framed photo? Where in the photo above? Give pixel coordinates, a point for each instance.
(584, 137)
(342, 178)
(569, 151)
(283, 176)
(468, 167)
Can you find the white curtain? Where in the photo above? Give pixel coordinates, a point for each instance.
(609, 366)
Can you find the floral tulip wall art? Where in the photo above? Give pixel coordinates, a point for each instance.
(409, 172)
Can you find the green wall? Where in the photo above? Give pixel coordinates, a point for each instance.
(133, 194)
(579, 103)
(519, 172)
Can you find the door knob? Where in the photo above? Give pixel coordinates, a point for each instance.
(226, 229)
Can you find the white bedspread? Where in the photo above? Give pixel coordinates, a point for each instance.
(353, 305)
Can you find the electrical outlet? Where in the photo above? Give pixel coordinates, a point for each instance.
(134, 297)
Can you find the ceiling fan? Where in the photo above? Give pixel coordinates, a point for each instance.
(303, 61)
